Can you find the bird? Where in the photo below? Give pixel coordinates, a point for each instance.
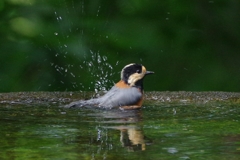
(126, 94)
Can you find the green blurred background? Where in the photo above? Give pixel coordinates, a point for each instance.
(71, 45)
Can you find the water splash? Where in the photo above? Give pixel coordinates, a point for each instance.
(100, 70)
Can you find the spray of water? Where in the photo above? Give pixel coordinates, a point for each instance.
(99, 70)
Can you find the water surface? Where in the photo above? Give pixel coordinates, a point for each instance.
(164, 131)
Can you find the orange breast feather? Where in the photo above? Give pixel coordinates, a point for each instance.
(122, 84)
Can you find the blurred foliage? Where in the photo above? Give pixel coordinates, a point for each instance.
(83, 45)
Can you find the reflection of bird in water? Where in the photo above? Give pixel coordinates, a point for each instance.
(127, 122)
(126, 94)
(133, 139)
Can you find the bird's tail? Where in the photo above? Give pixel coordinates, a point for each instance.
(82, 103)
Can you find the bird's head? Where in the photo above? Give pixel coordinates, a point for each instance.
(134, 73)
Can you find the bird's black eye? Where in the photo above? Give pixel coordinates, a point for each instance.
(138, 71)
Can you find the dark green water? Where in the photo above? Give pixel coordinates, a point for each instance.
(166, 131)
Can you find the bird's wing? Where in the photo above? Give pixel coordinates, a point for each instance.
(81, 103)
(120, 97)
(115, 97)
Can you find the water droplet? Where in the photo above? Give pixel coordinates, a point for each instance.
(55, 33)
(72, 74)
(104, 58)
(66, 70)
(98, 10)
(99, 59)
(90, 64)
(106, 36)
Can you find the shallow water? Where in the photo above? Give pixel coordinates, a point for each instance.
(163, 131)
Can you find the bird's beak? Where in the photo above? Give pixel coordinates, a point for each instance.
(149, 72)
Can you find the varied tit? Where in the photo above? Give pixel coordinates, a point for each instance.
(126, 94)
